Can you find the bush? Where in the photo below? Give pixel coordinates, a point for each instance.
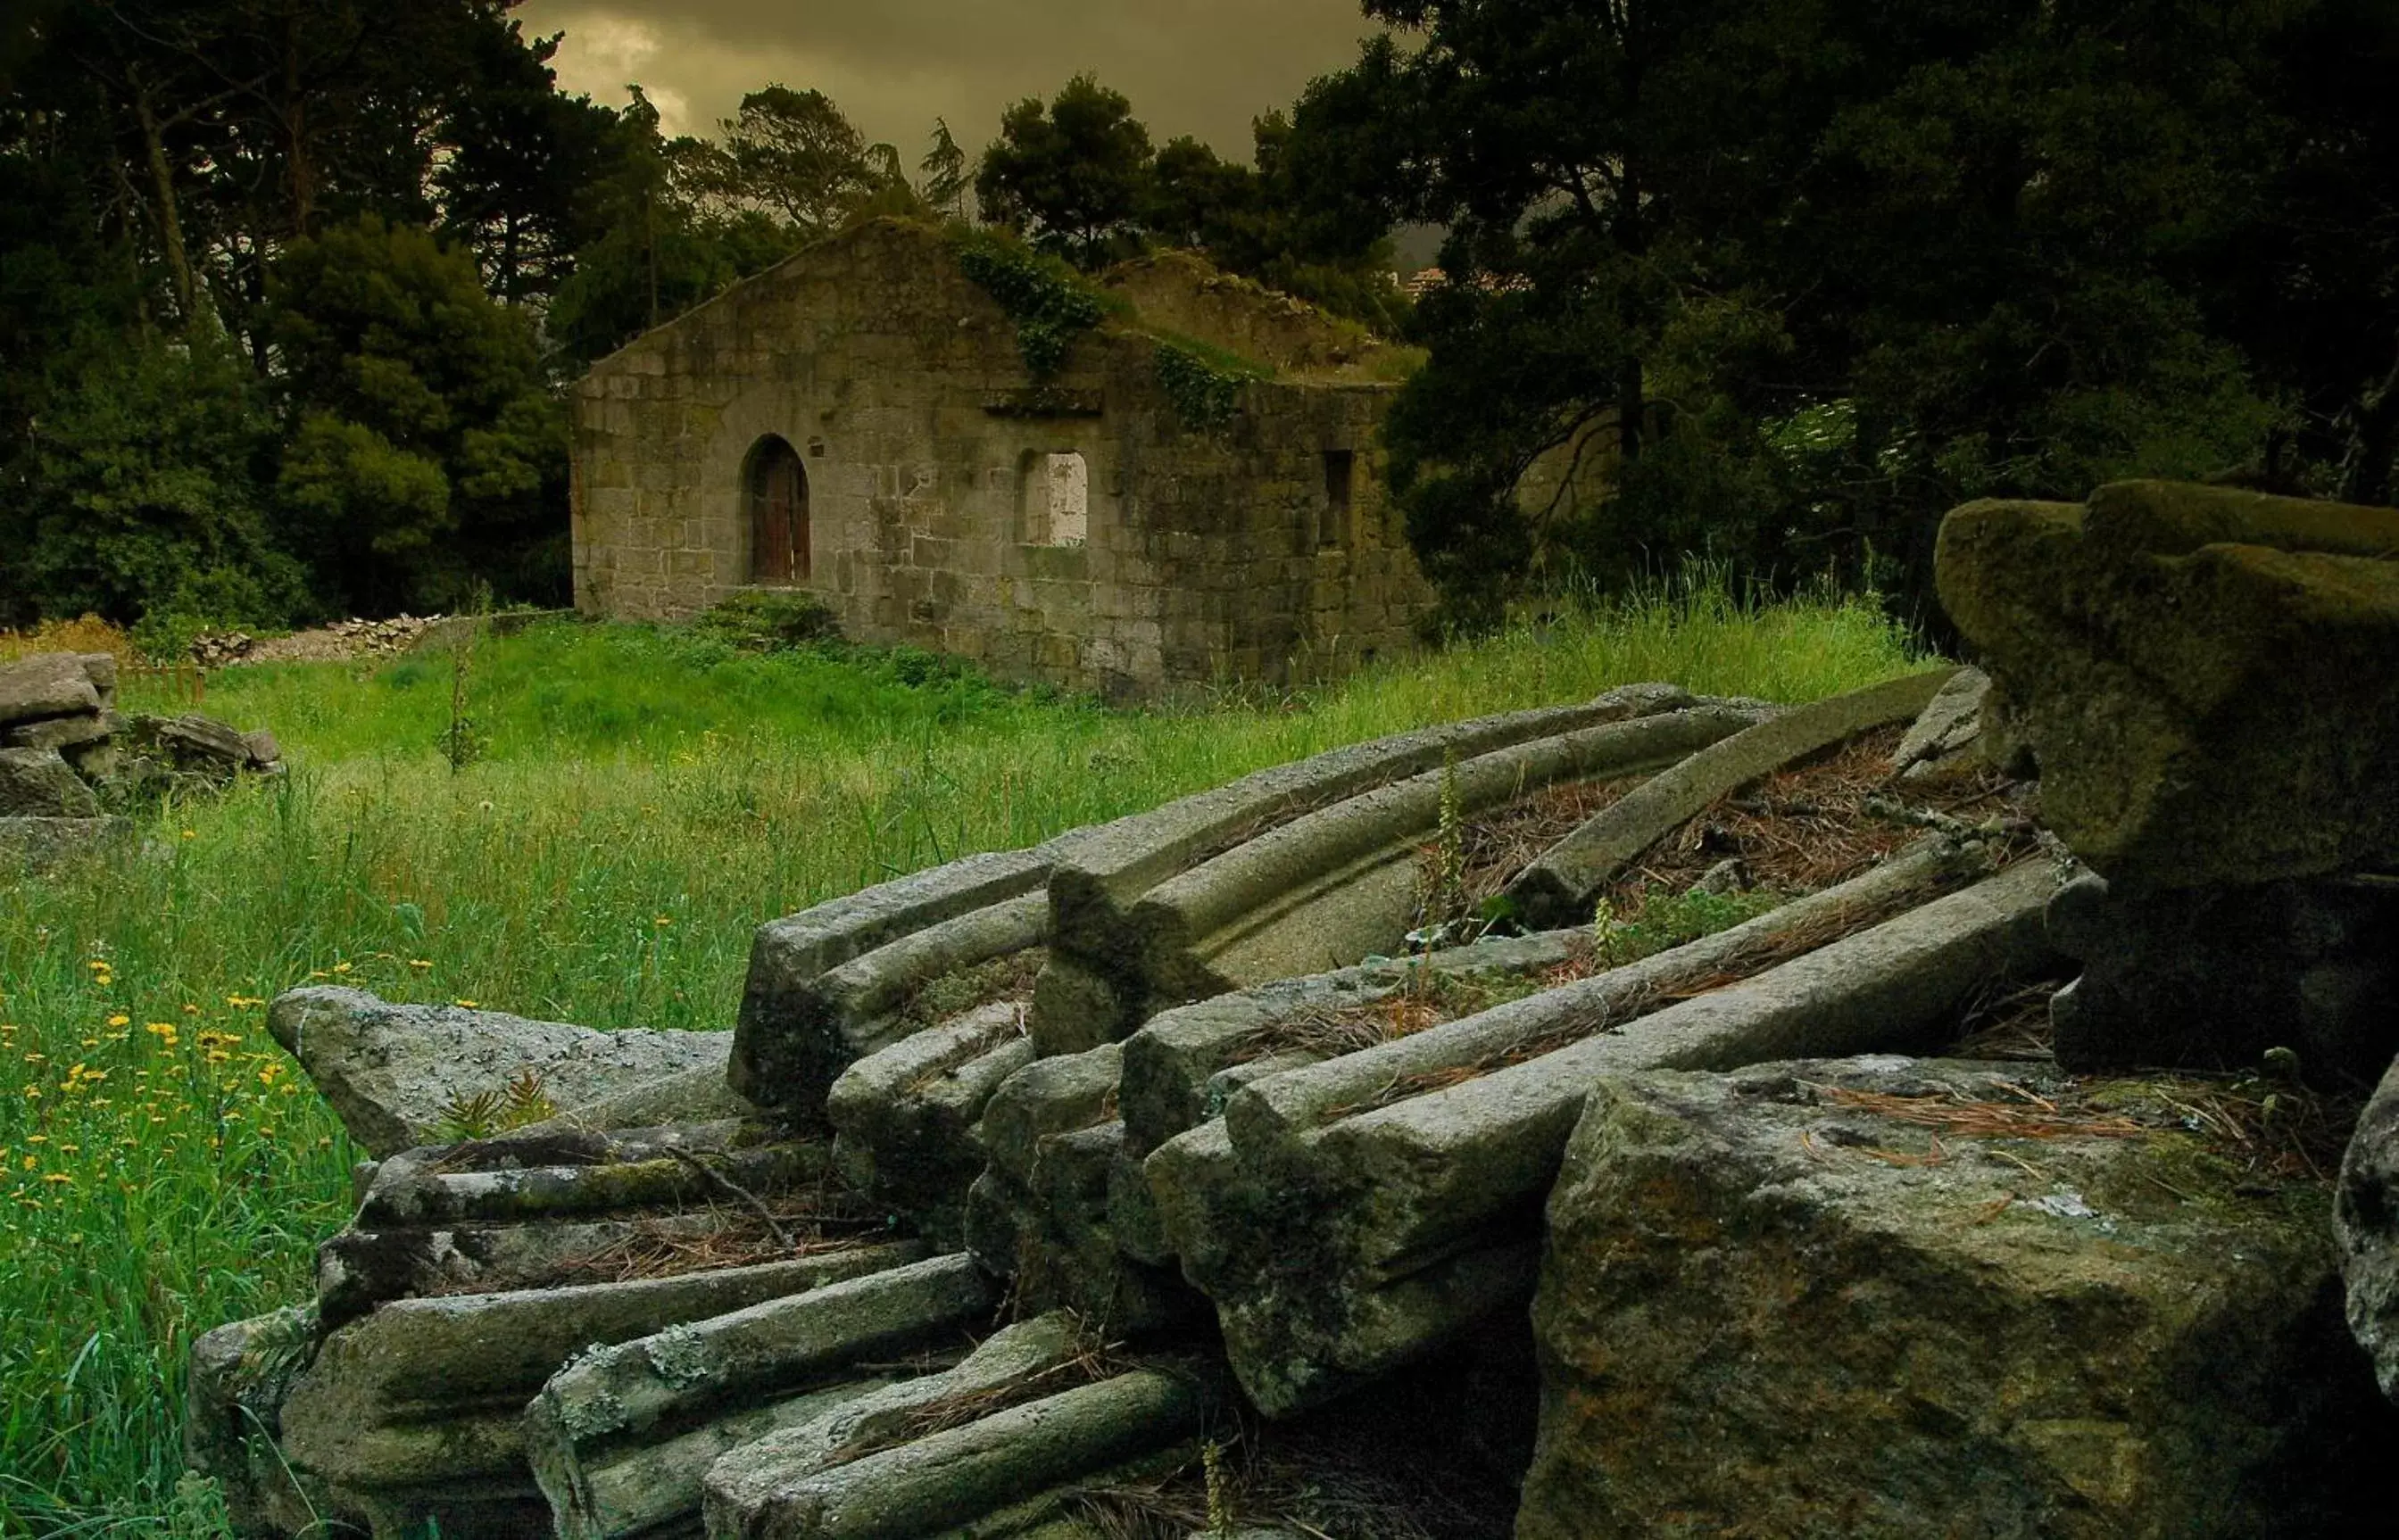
(768, 622)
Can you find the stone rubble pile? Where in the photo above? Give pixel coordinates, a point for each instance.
(1039, 1177)
(338, 638)
(68, 759)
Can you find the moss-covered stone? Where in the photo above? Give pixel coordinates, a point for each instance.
(2202, 673)
(1895, 1297)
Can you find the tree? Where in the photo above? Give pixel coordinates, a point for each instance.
(793, 154)
(423, 446)
(1800, 278)
(518, 164)
(666, 242)
(142, 492)
(944, 170)
(1071, 175)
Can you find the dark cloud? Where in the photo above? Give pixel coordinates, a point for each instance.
(1203, 67)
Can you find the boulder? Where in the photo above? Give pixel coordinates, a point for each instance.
(52, 684)
(416, 1412)
(1887, 1297)
(38, 783)
(396, 1074)
(195, 745)
(2366, 1215)
(2203, 674)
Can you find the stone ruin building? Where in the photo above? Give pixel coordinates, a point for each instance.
(1224, 1170)
(861, 423)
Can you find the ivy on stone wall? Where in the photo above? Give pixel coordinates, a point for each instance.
(1048, 304)
(1202, 388)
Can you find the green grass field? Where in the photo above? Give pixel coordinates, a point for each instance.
(645, 799)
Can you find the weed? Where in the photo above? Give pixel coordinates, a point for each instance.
(1659, 921)
(461, 744)
(522, 1102)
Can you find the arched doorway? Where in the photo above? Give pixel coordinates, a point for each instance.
(776, 491)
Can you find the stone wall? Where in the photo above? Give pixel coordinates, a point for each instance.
(898, 380)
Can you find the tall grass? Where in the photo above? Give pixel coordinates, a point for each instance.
(646, 799)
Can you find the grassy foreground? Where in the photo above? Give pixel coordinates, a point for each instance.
(645, 799)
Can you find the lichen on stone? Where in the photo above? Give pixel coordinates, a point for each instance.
(681, 1357)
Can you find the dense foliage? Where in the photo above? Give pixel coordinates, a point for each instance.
(1076, 177)
(290, 291)
(1799, 276)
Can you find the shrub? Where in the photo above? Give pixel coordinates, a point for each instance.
(764, 621)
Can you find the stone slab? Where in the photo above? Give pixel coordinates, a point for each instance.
(393, 1073)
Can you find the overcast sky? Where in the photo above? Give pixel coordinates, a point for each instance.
(1203, 67)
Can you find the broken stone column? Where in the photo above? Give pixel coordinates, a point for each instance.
(1563, 885)
(1882, 1297)
(414, 1412)
(1180, 1069)
(1095, 990)
(906, 1119)
(825, 984)
(533, 1209)
(2203, 676)
(1040, 1214)
(808, 1013)
(1013, 1365)
(621, 1438)
(395, 1075)
(1409, 1217)
(1330, 889)
(1006, 1473)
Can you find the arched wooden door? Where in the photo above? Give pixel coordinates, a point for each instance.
(778, 514)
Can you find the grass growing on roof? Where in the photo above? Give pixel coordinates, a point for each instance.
(647, 798)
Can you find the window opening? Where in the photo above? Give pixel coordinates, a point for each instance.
(1340, 471)
(1061, 497)
(777, 495)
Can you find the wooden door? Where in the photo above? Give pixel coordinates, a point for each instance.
(779, 515)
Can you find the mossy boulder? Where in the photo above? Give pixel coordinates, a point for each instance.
(1886, 1297)
(2202, 673)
